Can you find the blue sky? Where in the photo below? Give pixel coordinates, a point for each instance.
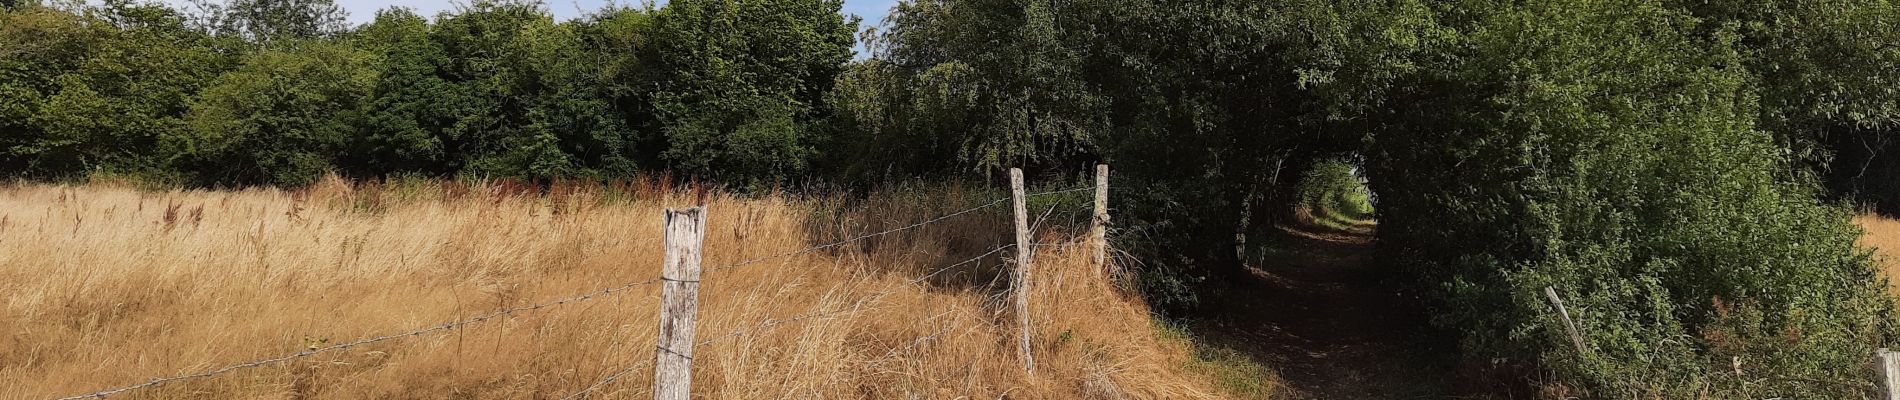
(364, 10)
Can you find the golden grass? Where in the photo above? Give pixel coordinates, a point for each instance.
(1883, 235)
(105, 286)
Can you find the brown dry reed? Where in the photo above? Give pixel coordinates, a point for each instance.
(107, 285)
(1882, 234)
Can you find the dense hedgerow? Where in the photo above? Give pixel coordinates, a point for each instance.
(1607, 152)
(264, 92)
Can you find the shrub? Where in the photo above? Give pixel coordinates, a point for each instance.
(1604, 151)
(282, 118)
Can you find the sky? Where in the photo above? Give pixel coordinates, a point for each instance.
(362, 11)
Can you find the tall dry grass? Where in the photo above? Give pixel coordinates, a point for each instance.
(106, 285)
(1883, 235)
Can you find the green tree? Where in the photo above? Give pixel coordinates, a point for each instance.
(282, 118)
(742, 83)
(528, 97)
(1826, 76)
(403, 123)
(1611, 151)
(93, 91)
(263, 21)
(1619, 152)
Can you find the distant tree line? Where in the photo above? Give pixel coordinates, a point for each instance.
(1679, 170)
(279, 92)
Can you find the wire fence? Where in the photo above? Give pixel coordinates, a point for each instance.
(774, 323)
(604, 292)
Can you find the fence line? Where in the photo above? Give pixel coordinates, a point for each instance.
(557, 302)
(992, 203)
(771, 323)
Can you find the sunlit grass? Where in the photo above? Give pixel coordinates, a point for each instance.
(106, 285)
(1883, 235)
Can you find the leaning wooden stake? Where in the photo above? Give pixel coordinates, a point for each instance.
(1888, 363)
(1099, 230)
(1023, 251)
(1575, 338)
(679, 303)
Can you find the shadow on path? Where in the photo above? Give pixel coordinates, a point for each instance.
(1317, 313)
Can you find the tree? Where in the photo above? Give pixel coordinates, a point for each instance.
(97, 89)
(1612, 151)
(1615, 151)
(403, 123)
(283, 118)
(1826, 77)
(264, 21)
(742, 82)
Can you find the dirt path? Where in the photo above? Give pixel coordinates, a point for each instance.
(1317, 314)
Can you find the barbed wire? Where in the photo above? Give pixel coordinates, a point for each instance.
(992, 203)
(1053, 192)
(854, 239)
(771, 323)
(537, 306)
(610, 379)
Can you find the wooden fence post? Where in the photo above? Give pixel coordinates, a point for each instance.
(679, 304)
(1099, 230)
(1576, 339)
(1887, 362)
(1024, 250)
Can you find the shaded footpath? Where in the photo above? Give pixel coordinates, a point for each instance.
(1316, 313)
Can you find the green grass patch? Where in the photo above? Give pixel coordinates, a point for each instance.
(1234, 373)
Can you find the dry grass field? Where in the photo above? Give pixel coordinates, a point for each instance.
(1883, 235)
(105, 285)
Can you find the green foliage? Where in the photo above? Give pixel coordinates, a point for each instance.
(522, 71)
(94, 91)
(1610, 151)
(725, 90)
(1624, 152)
(271, 20)
(403, 118)
(741, 83)
(1235, 373)
(1827, 84)
(1333, 188)
(281, 118)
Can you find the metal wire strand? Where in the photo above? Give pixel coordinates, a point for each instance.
(609, 379)
(770, 323)
(857, 238)
(888, 231)
(562, 301)
(1053, 192)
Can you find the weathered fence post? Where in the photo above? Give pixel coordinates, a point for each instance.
(1887, 362)
(679, 303)
(1099, 230)
(1024, 250)
(1576, 339)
